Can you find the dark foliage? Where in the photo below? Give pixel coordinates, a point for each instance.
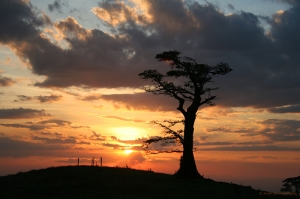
(291, 185)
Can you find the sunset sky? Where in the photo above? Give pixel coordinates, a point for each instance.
(69, 85)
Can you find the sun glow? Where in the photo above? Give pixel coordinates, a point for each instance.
(127, 151)
(127, 133)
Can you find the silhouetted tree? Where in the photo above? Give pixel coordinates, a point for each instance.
(291, 185)
(193, 78)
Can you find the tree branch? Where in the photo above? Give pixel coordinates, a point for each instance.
(170, 131)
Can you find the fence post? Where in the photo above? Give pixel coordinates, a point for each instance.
(78, 162)
(93, 160)
(101, 161)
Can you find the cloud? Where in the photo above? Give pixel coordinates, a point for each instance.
(230, 130)
(22, 113)
(118, 12)
(273, 129)
(265, 65)
(91, 97)
(281, 130)
(217, 143)
(293, 2)
(46, 140)
(22, 98)
(18, 148)
(6, 81)
(57, 5)
(286, 109)
(45, 124)
(50, 98)
(41, 99)
(123, 119)
(250, 148)
(142, 101)
(23, 20)
(138, 141)
(116, 146)
(97, 137)
(59, 138)
(230, 6)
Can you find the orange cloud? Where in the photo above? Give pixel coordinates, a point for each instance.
(119, 12)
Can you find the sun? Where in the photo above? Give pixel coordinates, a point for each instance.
(127, 151)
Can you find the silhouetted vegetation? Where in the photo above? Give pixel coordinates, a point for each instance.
(193, 78)
(291, 185)
(106, 182)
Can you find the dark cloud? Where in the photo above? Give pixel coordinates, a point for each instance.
(251, 148)
(18, 148)
(230, 6)
(83, 142)
(22, 98)
(22, 113)
(42, 99)
(46, 140)
(138, 141)
(50, 98)
(273, 129)
(116, 146)
(203, 138)
(265, 66)
(57, 5)
(252, 143)
(22, 23)
(45, 124)
(49, 133)
(6, 81)
(285, 32)
(91, 97)
(281, 130)
(123, 119)
(230, 130)
(292, 2)
(97, 137)
(142, 101)
(59, 139)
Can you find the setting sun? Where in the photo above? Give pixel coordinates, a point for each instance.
(127, 151)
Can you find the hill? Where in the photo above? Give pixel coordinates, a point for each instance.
(106, 182)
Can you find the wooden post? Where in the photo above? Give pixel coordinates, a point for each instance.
(101, 161)
(78, 162)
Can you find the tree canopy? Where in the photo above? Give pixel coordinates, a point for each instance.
(291, 185)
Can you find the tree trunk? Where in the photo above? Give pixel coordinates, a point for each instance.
(188, 167)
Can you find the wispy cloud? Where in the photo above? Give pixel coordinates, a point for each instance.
(6, 81)
(22, 113)
(42, 99)
(45, 124)
(123, 119)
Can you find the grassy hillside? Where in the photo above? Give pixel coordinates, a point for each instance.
(105, 182)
